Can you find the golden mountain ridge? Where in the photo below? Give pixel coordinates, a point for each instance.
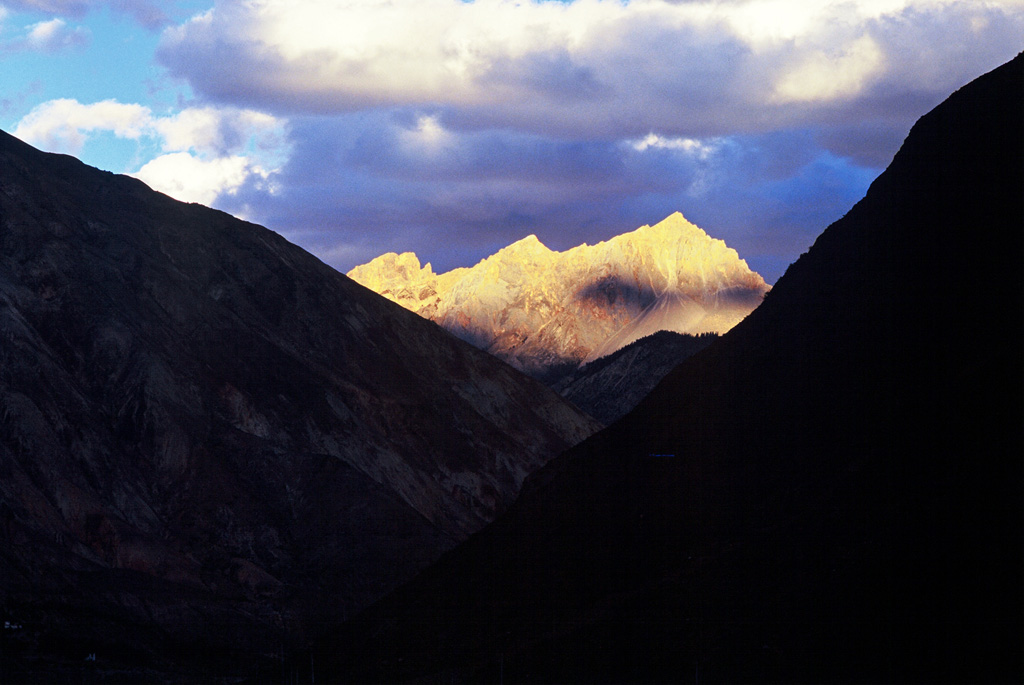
(537, 308)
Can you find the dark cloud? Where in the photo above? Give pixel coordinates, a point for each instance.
(553, 75)
(355, 187)
(868, 143)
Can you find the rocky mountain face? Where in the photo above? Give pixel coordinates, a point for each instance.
(211, 443)
(544, 311)
(609, 387)
(832, 492)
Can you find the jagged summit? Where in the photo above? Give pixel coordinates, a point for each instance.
(539, 309)
(674, 223)
(530, 242)
(406, 265)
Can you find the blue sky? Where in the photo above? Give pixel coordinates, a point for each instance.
(452, 128)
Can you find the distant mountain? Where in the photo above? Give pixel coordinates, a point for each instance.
(832, 492)
(211, 443)
(609, 387)
(544, 311)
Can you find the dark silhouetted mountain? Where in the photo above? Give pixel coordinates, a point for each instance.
(609, 387)
(211, 443)
(832, 492)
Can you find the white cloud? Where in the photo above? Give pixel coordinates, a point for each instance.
(428, 136)
(189, 178)
(832, 75)
(44, 31)
(207, 151)
(588, 67)
(213, 131)
(64, 125)
(697, 148)
(54, 35)
(382, 52)
(49, 36)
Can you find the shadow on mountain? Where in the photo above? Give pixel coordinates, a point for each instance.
(830, 493)
(614, 291)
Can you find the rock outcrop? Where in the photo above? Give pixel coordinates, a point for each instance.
(542, 311)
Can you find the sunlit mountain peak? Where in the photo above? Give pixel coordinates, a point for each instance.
(539, 309)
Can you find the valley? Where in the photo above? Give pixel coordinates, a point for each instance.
(222, 460)
(832, 492)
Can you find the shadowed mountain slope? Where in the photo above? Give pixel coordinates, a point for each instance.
(210, 439)
(832, 492)
(609, 387)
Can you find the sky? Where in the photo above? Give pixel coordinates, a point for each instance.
(452, 128)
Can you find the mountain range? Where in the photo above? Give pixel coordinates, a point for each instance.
(221, 460)
(546, 312)
(211, 443)
(831, 492)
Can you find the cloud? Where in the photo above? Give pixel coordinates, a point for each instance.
(205, 151)
(55, 35)
(189, 178)
(453, 128)
(587, 68)
(832, 75)
(217, 131)
(64, 125)
(654, 141)
(147, 12)
(48, 36)
(360, 184)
